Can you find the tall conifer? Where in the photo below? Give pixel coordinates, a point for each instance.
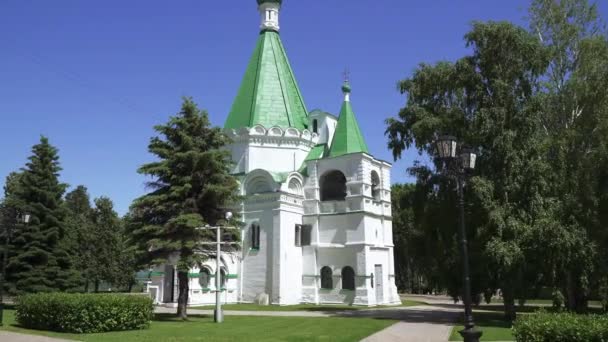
(191, 184)
(40, 260)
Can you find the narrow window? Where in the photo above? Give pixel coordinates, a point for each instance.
(375, 186)
(204, 277)
(315, 126)
(327, 281)
(348, 278)
(298, 235)
(306, 235)
(255, 236)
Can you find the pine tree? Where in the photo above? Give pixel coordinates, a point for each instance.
(107, 235)
(191, 185)
(81, 233)
(39, 259)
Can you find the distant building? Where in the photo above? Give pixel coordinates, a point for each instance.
(317, 204)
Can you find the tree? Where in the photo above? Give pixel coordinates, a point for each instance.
(108, 239)
(489, 100)
(574, 121)
(81, 236)
(39, 260)
(190, 188)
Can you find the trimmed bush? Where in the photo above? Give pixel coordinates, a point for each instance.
(560, 327)
(84, 313)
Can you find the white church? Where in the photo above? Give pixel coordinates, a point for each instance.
(317, 204)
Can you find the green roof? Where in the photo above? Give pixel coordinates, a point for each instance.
(269, 94)
(347, 137)
(317, 152)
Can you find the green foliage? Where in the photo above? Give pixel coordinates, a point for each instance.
(84, 313)
(40, 258)
(534, 105)
(561, 327)
(191, 186)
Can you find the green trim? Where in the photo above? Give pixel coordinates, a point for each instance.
(254, 249)
(269, 94)
(193, 275)
(157, 274)
(232, 276)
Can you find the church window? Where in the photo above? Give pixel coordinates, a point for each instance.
(204, 278)
(306, 235)
(302, 233)
(315, 126)
(255, 236)
(375, 185)
(327, 281)
(348, 278)
(333, 186)
(298, 235)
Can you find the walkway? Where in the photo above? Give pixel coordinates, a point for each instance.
(416, 323)
(15, 337)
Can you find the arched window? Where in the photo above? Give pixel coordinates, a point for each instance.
(204, 278)
(315, 126)
(255, 236)
(348, 278)
(327, 282)
(375, 185)
(333, 186)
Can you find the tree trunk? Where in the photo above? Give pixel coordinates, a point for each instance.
(182, 297)
(96, 285)
(86, 286)
(508, 299)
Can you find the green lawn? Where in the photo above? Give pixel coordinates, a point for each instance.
(235, 328)
(494, 328)
(301, 307)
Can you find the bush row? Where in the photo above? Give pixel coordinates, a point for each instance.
(560, 327)
(84, 313)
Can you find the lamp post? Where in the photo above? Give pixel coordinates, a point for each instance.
(457, 166)
(13, 217)
(218, 314)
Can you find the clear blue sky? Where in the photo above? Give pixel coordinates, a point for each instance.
(95, 76)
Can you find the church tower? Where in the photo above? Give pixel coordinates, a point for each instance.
(316, 205)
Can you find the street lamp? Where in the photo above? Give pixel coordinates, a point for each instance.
(457, 167)
(14, 217)
(218, 315)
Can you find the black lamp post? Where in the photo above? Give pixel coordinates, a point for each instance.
(456, 166)
(13, 217)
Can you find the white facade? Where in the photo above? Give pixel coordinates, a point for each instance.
(354, 232)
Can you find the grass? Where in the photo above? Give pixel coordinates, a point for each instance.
(234, 328)
(302, 307)
(493, 325)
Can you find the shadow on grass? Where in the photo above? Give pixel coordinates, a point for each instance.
(171, 317)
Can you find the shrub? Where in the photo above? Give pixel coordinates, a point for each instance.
(560, 327)
(84, 313)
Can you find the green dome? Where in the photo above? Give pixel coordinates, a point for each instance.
(346, 87)
(280, 2)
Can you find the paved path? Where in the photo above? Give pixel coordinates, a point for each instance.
(14, 337)
(416, 323)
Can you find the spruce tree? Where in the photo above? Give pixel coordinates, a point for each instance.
(107, 237)
(39, 259)
(81, 233)
(191, 184)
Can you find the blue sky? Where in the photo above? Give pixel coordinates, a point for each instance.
(95, 76)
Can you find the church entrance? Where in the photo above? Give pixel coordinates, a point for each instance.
(378, 284)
